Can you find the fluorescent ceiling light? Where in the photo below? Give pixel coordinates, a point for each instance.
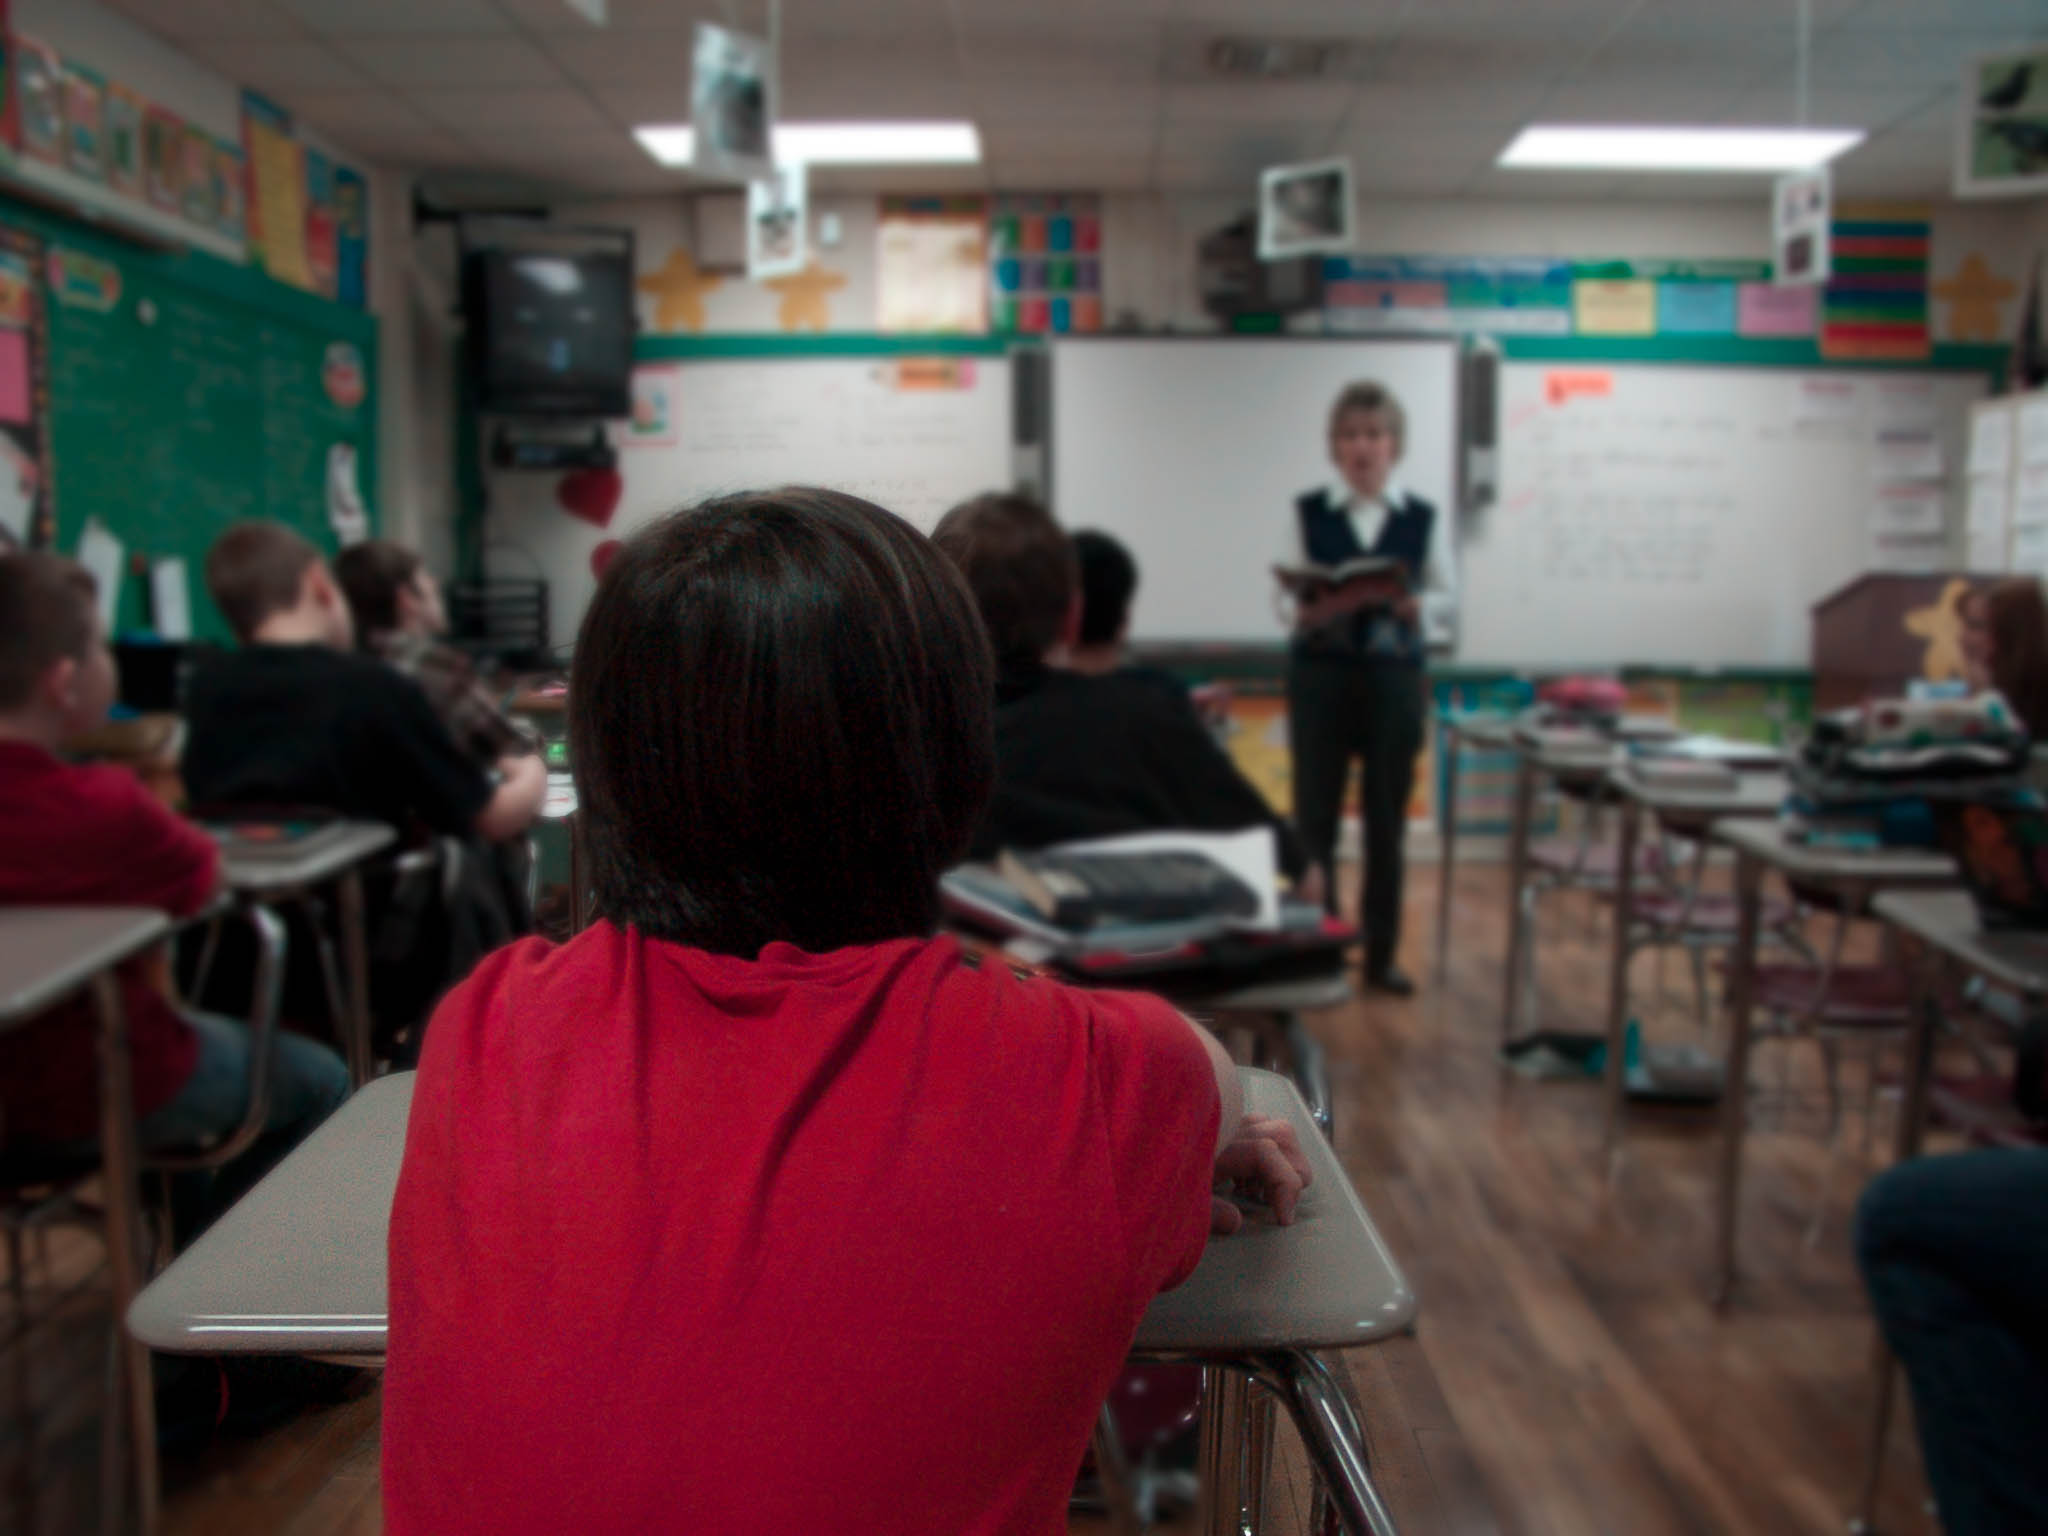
(837, 143)
(1549, 146)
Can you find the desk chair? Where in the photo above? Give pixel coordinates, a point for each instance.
(38, 1191)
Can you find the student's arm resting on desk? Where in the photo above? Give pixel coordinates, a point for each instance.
(1258, 1155)
(522, 786)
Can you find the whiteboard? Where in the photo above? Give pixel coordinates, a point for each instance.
(1192, 452)
(1654, 513)
(914, 435)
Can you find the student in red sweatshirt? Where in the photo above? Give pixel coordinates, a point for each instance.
(93, 835)
(756, 1206)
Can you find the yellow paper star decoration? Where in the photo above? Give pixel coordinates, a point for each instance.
(678, 290)
(1940, 624)
(806, 297)
(1974, 297)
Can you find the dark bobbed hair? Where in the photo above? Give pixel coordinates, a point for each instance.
(780, 719)
(372, 574)
(2017, 614)
(1109, 578)
(1019, 565)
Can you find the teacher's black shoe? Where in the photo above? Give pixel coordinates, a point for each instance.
(1390, 979)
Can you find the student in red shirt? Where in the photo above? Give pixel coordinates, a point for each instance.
(756, 1207)
(93, 835)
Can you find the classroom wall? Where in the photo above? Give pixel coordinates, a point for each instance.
(1149, 244)
(123, 51)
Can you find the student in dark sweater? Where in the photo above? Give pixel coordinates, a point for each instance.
(1078, 755)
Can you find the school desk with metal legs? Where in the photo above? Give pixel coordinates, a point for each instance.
(298, 1267)
(1690, 812)
(1951, 938)
(1487, 733)
(275, 881)
(1580, 762)
(46, 955)
(1851, 877)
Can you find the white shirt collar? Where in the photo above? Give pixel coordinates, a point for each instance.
(1344, 499)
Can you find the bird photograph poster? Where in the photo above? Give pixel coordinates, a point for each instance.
(2002, 138)
(1306, 209)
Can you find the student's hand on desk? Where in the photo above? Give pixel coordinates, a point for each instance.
(1263, 1162)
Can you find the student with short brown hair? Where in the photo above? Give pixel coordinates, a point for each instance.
(2015, 645)
(400, 617)
(1076, 755)
(92, 835)
(756, 1151)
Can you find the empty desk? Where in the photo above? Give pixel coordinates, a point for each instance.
(1572, 760)
(1852, 877)
(46, 955)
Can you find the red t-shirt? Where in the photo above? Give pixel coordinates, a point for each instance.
(93, 836)
(841, 1242)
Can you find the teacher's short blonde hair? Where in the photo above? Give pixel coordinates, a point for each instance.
(1369, 396)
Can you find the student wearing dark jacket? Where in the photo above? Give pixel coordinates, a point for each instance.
(1078, 755)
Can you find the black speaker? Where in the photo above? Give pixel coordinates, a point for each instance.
(1030, 396)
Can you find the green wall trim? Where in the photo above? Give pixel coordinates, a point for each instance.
(661, 349)
(1743, 351)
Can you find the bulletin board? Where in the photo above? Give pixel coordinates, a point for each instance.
(185, 393)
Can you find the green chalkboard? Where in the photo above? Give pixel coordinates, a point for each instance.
(186, 393)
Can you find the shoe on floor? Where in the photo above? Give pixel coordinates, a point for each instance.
(1391, 980)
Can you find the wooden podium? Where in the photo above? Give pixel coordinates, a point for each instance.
(1882, 631)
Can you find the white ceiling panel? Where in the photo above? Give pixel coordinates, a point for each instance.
(280, 67)
(370, 18)
(520, 109)
(628, 106)
(622, 58)
(450, 61)
(1051, 55)
(238, 20)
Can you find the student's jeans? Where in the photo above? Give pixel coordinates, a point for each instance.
(1340, 707)
(307, 1083)
(1954, 1252)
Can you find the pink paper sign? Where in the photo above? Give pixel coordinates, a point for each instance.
(1764, 309)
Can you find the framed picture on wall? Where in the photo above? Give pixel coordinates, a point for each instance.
(2002, 125)
(732, 104)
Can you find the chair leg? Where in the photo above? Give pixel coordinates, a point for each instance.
(1831, 1055)
(1703, 1019)
(1114, 1473)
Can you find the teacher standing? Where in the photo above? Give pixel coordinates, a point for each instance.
(1355, 681)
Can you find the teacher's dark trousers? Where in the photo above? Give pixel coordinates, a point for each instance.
(1338, 708)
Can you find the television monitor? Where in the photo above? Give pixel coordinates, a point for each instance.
(549, 317)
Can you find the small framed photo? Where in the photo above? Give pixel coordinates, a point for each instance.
(2002, 125)
(1306, 209)
(775, 223)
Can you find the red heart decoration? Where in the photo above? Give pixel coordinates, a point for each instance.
(601, 557)
(591, 494)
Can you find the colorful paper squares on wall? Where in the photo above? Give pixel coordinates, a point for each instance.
(1045, 264)
(1875, 305)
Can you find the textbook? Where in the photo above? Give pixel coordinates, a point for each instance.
(1077, 890)
(1312, 578)
(281, 837)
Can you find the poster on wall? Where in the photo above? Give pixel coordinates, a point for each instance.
(277, 191)
(1045, 263)
(351, 237)
(39, 92)
(124, 141)
(1306, 210)
(322, 262)
(25, 480)
(85, 127)
(2002, 125)
(1800, 211)
(931, 265)
(732, 104)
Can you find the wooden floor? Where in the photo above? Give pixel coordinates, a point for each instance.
(1587, 1385)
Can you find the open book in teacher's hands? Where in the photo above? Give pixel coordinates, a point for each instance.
(1322, 593)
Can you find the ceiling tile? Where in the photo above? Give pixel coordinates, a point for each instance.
(628, 106)
(1307, 104)
(512, 110)
(556, 18)
(281, 66)
(453, 61)
(251, 21)
(623, 58)
(368, 18)
(1034, 51)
